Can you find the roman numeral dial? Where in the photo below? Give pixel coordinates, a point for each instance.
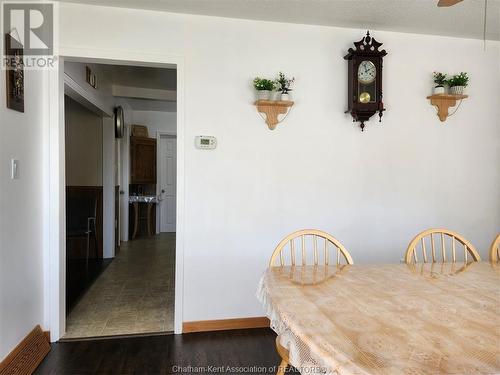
(366, 72)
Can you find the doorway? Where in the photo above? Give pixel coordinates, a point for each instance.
(135, 294)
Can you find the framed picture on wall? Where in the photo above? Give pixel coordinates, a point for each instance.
(15, 74)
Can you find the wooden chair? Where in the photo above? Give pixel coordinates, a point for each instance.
(444, 236)
(320, 255)
(495, 249)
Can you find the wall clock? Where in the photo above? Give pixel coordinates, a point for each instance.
(119, 123)
(364, 88)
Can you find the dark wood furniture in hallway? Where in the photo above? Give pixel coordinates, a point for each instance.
(84, 244)
(80, 277)
(84, 214)
(142, 160)
(142, 189)
(142, 213)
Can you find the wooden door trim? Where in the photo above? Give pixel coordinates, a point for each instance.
(54, 247)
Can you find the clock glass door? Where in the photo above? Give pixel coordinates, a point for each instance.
(367, 72)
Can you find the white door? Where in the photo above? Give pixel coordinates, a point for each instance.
(168, 165)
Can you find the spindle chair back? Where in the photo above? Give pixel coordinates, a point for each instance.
(321, 255)
(495, 249)
(424, 244)
(321, 243)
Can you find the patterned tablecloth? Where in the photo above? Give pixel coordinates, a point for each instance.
(387, 319)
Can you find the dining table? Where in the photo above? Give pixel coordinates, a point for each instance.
(428, 318)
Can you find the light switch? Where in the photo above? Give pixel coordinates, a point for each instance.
(14, 170)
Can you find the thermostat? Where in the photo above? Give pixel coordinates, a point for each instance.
(205, 142)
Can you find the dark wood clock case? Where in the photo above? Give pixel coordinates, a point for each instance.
(367, 49)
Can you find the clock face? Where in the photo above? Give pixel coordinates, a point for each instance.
(367, 72)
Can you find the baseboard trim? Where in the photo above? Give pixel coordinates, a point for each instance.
(225, 324)
(27, 355)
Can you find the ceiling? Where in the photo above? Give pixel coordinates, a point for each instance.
(140, 76)
(146, 78)
(463, 20)
(151, 105)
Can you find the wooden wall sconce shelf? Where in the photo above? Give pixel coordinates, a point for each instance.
(272, 109)
(443, 102)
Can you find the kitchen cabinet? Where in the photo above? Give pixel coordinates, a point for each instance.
(142, 160)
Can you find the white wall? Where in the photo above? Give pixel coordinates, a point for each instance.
(84, 145)
(21, 215)
(373, 190)
(109, 175)
(163, 121)
(98, 99)
(101, 96)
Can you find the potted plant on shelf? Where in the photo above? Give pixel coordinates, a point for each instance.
(283, 85)
(264, 87)
(458, 83)
(440, 81)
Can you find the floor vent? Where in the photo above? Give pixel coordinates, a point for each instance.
(26, 357)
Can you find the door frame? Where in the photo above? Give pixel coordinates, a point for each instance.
(159, 135)
(55, 243)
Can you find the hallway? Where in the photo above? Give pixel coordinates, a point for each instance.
(134, 295)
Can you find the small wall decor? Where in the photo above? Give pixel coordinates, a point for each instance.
(90, 77)
(443, 101)
(271, 109)
(364, 88)
(119, 122)
(284, 85)
(139, 131)
(264, 88)
(440, 82)
(15, 74)
(458, 83)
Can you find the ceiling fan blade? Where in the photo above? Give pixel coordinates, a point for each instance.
(448, 3)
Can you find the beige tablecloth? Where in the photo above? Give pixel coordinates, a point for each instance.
(387, 319)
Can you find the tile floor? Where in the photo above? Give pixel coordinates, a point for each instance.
(135, 294)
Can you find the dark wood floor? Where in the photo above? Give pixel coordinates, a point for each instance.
(171, 354)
